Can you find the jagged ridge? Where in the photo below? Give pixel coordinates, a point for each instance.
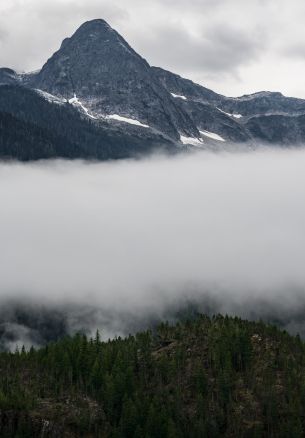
(97, 74)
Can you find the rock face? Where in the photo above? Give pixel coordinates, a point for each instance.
(37, 126)
(281, 130)
(8, 76)
(203, 106)
(96, 74)
(109, 78)
(264, 116)
(264, 102)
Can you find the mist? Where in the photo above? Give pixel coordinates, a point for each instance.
(114, 245)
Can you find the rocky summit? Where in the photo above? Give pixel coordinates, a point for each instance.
(109, 78)
(117, 105)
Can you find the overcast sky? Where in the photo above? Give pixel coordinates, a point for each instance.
(232, 46)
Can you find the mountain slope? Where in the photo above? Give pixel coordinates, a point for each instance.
(40, 143)
(219, 377)
(278, 129)
(8, 76)
(98, 66)
(32, 128)
(118, 106)
(245, 118)
(201, 104)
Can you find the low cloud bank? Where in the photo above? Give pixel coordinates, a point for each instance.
(132, 240)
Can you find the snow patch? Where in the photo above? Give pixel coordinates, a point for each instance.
(179, 96)
(75, 101)
(191, 140)
(126, 120)
(237, 116)
(212, 135)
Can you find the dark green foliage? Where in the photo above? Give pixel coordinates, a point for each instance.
(206, 378)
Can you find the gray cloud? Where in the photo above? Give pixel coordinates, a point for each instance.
(3, 35)
(141, 237)
(295, 50)
(35, 30)
(233, 46)
(221, 52)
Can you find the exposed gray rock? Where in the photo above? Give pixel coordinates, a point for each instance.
(278, 129)
(103, 78)
(201, 104)
(98, 66)
(265, 116)
(8, 76)
(264, 102)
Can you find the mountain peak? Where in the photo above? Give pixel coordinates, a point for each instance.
(95, 25)
(108, 77)
(83, 60)
(96, 30)
(92, 30)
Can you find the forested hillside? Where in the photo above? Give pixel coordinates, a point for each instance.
(208, 377)
(31, 128)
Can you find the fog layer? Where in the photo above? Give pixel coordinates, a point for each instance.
(140, 237)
